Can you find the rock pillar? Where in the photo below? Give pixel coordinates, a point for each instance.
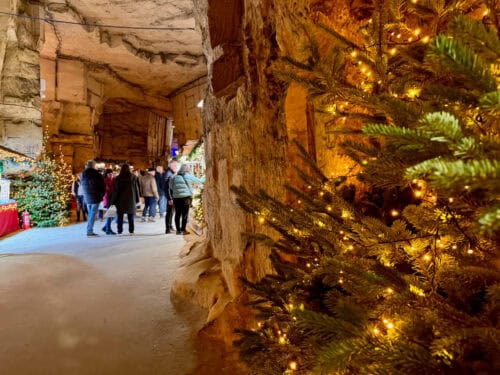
(20, 114)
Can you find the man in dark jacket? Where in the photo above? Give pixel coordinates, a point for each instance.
(172, 168)
(93, 191)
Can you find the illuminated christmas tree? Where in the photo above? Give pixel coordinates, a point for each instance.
(398, 277)
(46, 193)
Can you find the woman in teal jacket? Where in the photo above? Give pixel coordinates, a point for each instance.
(181, 186)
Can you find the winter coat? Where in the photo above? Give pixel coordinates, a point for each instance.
(125, 193)
(182, 185)
(93, 186)
(148, 186)
(159, 183)
(110, 184)
(166, 183)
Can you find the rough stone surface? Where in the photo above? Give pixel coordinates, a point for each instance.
(248, 136)
(20, 115)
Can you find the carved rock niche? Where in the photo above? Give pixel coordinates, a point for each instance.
(225, 23)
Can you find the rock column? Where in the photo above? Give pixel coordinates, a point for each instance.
(20, 114)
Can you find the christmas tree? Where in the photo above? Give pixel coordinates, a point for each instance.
(46, 193)
(394, 274)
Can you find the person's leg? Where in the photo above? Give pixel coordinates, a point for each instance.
(162, 205)
(119, 222)
(130, 223)
(109, 220)
(85, 209)
(78, 209)
(168, 217)
(152, 208)
(178, 203)
(146, 208)
(185, 213)
(92, 209)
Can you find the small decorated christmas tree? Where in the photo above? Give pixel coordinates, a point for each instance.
(46, 193)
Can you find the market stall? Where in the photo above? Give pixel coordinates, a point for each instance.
(9, 220)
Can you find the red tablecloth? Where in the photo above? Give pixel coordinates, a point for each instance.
(9, 221)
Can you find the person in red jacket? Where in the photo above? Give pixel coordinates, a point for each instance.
(109, 182)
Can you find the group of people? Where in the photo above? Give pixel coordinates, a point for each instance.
(170, 190)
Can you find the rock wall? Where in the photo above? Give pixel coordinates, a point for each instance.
(186, 113)
(20, 115)
(248, 131)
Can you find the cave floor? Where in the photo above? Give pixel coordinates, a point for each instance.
(76, 305)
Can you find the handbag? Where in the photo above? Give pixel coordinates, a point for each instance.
(111, 212)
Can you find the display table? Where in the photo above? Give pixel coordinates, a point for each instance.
(9, 221)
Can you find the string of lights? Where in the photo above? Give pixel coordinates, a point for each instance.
(52, 21)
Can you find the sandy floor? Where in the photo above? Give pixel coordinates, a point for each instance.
(73, 305)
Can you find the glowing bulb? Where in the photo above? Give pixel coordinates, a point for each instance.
(309, 187)
(393, 51)
(321, 194)
(450, 200)
(466, 187)
(389, 290)
(417, 32)
(341, 281)
(486, 12)
(394, 213)
(354, 54)
(259, 324)
(454, 247)
(308, 265)
(470, 251)
(350, 247)
(376, 331)
(299, 201)
(262, 220)
(426, 39)
(282, 340)
(418, 194)
(329, 208)
(390, 325)
(427, 257)
(413, 92)
(293, 365)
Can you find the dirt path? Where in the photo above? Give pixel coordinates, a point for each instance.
(73, 305)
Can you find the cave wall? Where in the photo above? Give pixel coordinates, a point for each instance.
(20, 115)
(72, 103)
(186, 114)
(248, 132)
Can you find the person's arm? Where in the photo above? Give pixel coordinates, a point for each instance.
(155, 189)
(194, 179)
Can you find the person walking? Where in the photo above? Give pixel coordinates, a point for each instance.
(93, 191)
(109, 182)
(182, 192)
(169, 173)
(150, 194)
(162, 200)
(125, 197)
(77, 192)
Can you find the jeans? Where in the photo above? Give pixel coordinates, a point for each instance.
(149, 204)
(119, 225)
(107, 226)
(162, 205)
(181, 212)
(92, 209)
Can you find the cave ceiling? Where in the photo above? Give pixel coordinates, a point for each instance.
(157, 62)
